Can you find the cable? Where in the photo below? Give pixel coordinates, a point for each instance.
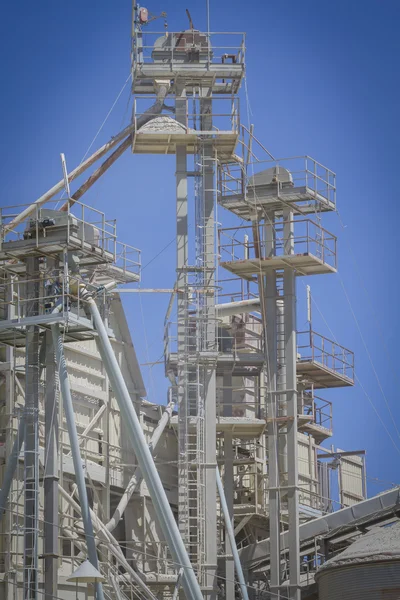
(100, 129)
(359, 382)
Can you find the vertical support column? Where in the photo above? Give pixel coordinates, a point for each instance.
(228, 484)
(51, 519)
(272, 425)
(31, 441)
(182, 319)
(289, 284)
(209, 264)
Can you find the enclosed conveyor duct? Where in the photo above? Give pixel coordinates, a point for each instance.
(145, 460)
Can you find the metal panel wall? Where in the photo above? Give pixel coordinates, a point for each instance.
(365, 581)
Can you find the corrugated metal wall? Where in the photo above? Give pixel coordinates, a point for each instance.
(368, 581)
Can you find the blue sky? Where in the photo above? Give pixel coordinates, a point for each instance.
(322, 80)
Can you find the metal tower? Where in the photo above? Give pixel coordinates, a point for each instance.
(202, 131)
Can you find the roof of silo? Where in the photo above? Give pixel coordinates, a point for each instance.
(379, 544)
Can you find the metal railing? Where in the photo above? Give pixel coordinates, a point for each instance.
(54, 289)
(175, 48)
(316, 348)
(237, 337)
(86, 230)
(309, 238)
(307, 175)
(82, 221)
(225, 117)
(317, 409)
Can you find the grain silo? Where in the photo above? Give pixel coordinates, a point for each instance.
(369, 569)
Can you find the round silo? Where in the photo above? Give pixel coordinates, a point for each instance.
(369, 569)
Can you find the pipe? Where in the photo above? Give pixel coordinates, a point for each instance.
(11, 466)
(137, 475)
(76, 457)
(234, 308)
(72, 175)
(111, 543)
(153, 110)
(142, 120)
(231, 535)
(145, 460)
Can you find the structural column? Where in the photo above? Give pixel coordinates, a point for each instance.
(228, 483)
(209, 266)
(51, 518)
(31, 440)
(182, 318)
(272, 413)
(289, 284)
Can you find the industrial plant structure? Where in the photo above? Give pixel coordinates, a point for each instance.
(241, 503)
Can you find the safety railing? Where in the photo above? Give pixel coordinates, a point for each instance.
(309, 238)
(236, 337)
(317, 409)
(316, 348)
(21, 298)
(80, 221)
(301, 174)
(225, 117)
(127, 260)
(171, 49)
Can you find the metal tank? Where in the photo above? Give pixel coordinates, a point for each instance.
(369, 569)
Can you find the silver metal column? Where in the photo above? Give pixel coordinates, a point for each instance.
(228, 483)
(210, 345)
(76, 456)
(291, 397)
(31, 442)
(51, 514)
(272, 423)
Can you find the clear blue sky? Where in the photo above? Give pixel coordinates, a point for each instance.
(323, 80)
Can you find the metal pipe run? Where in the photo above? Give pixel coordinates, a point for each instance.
(152, 112)
(234, 308)
(76, 457)
(111, 544)
(137, 476)
(145, 460)
(11, 467)
(72, 175)
(131, 128)
(231, 535)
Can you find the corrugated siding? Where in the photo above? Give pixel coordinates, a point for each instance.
(361, 582)
(351, 480)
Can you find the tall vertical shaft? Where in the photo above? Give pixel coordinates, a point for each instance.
(31, 441)
(51, 515)
(291, 401)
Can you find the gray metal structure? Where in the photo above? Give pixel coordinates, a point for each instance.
(247, 420)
